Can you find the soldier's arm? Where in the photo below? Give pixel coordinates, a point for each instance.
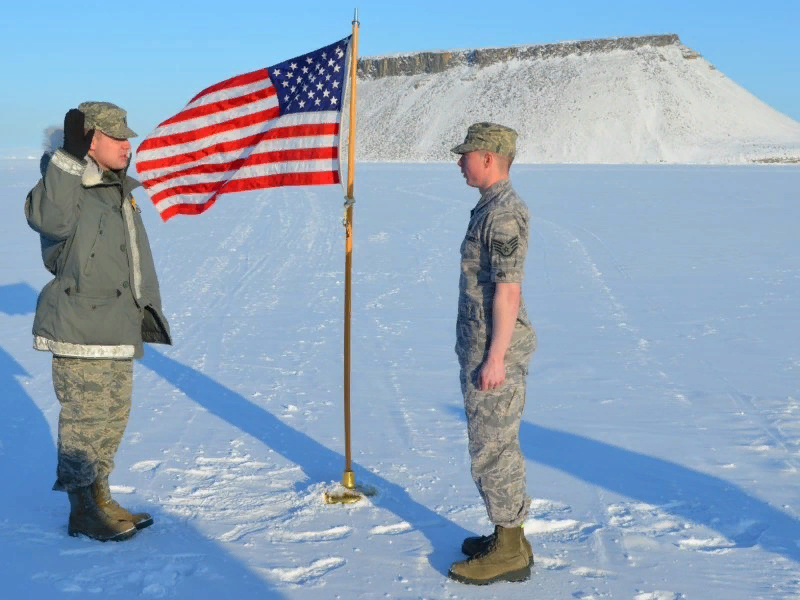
(505, 307)
(507, 244)
(52, 207)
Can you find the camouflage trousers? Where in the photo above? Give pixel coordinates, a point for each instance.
(95, 397)
(493, 421)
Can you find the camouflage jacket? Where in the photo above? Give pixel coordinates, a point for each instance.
(493, 251)
(104, 301)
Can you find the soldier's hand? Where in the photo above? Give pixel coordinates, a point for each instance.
(76, 141)
(492, 374)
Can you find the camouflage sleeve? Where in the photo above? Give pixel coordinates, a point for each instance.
(507, 240)
(52, 207)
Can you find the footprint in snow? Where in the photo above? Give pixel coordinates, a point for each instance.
(145, 466)
(302, 575)
(395, 529)
(658, 595)
(334, 533)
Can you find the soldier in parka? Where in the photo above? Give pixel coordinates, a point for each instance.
(494, 344)
(95, 314)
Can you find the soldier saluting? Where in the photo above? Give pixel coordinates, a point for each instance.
(95, 314)
(494, 344)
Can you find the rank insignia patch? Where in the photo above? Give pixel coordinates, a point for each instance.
(506, 249)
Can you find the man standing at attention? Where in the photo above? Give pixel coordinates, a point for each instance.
(95, 314)
(494, 344)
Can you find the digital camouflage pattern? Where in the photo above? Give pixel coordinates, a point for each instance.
(493, 251)
(490, 137)
(108, 118)
(95, 397)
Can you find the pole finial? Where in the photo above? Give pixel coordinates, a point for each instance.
(355, 17)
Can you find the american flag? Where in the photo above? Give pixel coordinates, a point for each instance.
(272, 127)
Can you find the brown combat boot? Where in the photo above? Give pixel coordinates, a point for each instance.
(505, 560)
(102, 495)
(480, 544)
(86, 518)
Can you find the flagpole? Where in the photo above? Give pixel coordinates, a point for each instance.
(349, 478)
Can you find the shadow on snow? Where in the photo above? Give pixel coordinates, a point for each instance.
(697, 497)
(316, 460)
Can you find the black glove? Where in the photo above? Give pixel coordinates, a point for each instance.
(76, 142)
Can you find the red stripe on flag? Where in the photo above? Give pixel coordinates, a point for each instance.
(209, 130)
(261, 158)
(224, 147)
(236, 81)
(223, 105)
(249, 184)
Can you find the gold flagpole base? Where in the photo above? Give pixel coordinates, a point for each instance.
(348, 492)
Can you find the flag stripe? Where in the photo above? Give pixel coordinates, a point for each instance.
(203, 110)
(236, 81)
(266, 145)
(201, 151)
(200, 183)
(209, 130)
(264, 158)
(244, 185)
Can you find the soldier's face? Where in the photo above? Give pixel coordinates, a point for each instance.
(474, 168)
(110, 153)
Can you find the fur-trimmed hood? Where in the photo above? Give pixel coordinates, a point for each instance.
(53, 139)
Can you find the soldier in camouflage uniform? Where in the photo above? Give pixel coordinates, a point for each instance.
(494, 344)
(95, 314)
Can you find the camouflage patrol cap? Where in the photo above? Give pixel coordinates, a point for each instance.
(108, 118)
(490, 137)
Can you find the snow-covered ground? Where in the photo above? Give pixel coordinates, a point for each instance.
(661, 429)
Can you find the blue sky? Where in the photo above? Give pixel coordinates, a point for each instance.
(151, 57)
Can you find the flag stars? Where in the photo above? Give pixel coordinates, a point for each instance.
(311, 82)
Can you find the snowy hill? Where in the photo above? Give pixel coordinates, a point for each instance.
(625, 100)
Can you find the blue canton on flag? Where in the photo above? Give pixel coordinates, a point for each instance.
(311, 82)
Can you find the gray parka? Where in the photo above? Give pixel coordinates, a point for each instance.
(104, 301)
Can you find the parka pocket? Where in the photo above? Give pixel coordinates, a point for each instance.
(90, 261)
(96, 319)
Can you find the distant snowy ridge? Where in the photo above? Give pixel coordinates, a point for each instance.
(647, 99)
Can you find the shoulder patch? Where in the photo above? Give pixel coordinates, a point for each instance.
(506, 248)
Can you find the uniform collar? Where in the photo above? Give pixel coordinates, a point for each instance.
(493, 192)
(93, 176)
